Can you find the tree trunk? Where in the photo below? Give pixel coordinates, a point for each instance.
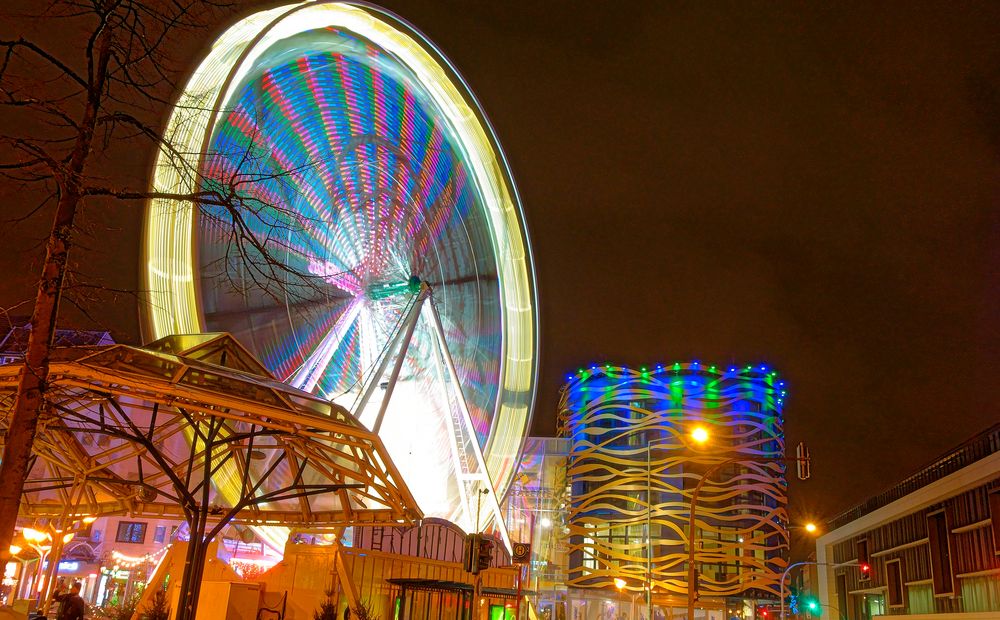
(30, 400)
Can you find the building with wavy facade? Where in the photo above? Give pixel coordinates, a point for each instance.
(633, 468)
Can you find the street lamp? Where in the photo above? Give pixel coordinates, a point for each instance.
(620, 584)
(699, 436)
(56, 540)
(781, 591)
(692, 590)
(37, 541)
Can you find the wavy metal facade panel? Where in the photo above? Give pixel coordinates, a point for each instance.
(633, 466)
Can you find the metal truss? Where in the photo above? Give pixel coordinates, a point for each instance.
(195, 427)
(473, 477)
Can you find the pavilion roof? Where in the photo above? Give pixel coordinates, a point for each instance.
(195, 422)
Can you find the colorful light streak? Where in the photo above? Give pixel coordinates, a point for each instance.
(384, 167)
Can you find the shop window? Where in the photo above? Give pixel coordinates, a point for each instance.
(938, 534)
(894, 583)
(131, 532)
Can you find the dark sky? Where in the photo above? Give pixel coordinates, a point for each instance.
(811, 185)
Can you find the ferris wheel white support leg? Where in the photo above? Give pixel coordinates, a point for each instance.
(407, 329)
(484, 475)
(410, 325)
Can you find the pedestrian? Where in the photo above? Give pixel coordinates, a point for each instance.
(71, 605)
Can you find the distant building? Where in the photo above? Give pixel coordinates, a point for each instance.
(633, 469)
(931, 542)
(537, 507)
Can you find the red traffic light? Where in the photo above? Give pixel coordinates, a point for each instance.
(865, 567)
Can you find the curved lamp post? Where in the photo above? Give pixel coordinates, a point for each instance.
(784, 575)
(699, 435)
(692, 589)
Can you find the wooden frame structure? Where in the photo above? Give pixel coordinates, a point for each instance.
(195, 427)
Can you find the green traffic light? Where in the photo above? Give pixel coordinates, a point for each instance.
(812, 604)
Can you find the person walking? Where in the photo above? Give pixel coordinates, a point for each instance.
(71, 605)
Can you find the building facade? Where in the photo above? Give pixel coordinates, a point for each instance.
(926, 548)
(635, 474)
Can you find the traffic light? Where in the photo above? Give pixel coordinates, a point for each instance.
(470, 553)
(811, 604)
(866, 570)
(485, 558)
(477, 554)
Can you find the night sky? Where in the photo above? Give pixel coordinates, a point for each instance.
(813, 186)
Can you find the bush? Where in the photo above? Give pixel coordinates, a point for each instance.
(363, 611)
(326, 611)
(158, 609)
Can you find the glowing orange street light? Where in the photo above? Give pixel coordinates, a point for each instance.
(699, 435)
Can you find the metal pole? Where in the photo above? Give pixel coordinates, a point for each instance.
(411, 324)
(467, 419)
(649, 541)
(691, 586)
(691, 522)
(781, 588)
(393, 343)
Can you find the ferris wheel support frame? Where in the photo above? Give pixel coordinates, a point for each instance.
(482, 476)
(479, 476)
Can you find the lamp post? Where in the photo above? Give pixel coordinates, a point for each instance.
(784, 575)
(37, 541)
(620, 584)
(699, 435)
(22, 568)
(56, 539)
(692, 589)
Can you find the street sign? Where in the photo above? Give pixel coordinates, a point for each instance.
(521, 553)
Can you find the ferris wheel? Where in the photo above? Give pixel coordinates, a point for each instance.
(385, 266)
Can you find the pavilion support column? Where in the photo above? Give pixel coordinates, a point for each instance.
(194, 561)
(344, 574)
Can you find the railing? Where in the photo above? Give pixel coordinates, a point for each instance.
(278, 610)
(975, 449)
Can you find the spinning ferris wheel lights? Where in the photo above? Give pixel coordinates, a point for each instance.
(389, 191)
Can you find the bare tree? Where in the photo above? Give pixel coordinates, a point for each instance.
(65, 110)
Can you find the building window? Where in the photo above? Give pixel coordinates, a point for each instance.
(160, 533)
(131, 532)
(862, 547)
(845, 611)
(894, 583)
(941, 570)
(995, 518)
